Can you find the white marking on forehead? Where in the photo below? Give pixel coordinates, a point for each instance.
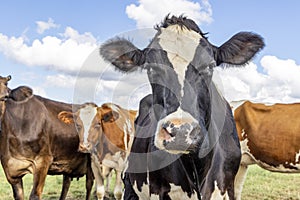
(87, 114)
(180, 45)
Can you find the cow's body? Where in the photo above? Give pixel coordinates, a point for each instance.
(186, 145)
(105, 133)
(269, 136)
(34, 141)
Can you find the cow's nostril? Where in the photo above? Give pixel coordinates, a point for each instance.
(168, 134)
(172, 133)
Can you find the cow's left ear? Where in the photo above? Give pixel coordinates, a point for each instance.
(239, 49)
(122, 54)
(109, 116)
(66, 117)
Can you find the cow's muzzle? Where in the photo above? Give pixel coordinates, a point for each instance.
(178, 138)
(4, 96)
(84, 148)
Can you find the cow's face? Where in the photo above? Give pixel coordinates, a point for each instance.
(4, 90)
(180, 61)
(90, 121)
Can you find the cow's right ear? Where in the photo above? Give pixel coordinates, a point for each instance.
(66, 117)
(122, 54)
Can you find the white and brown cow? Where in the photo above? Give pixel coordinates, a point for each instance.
(269, 137)
(105, 133)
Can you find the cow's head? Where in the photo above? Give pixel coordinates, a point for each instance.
(4, 90)
(179, 61)
(91, 122)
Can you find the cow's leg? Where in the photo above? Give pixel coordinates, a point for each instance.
(39, 178)
(106, 174)
(100, 190)
(239, 181)
(241, 175)
(129, 193)
(17, 188)
(65, 187)
(89, 181)
(118, 186)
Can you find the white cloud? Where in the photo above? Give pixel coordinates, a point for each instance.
(39, 91)
(61, 80)
(148, 13)
(66, 53)
(43, 26)
(279, 82)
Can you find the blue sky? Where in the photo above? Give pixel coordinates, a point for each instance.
(53, 61)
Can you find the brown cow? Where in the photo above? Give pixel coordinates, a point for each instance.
(34, 141)
(269, 136)
(108, 150)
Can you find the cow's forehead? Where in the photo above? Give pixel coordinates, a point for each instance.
(87, 114)
(179, 41)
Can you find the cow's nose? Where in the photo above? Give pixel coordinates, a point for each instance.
(84, 148)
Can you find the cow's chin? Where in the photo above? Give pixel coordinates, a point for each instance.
(179, 144)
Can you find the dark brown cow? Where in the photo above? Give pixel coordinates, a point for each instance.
(269, 136)
(108, 150)
(34, 141)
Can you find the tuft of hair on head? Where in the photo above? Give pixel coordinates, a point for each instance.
(182, 21)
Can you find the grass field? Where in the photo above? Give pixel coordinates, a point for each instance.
(260, 185)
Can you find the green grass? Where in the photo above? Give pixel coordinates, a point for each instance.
(51, 191)
(260, 185)
(264, 185)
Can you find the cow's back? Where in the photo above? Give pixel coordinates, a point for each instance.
(270, 133)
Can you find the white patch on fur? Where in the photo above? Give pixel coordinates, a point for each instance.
(188, 137)
(145, 193)
(297, 158)
(177, 193)
(180, 45)
(127, 128)
(125, 136)
(87, 114)
(216, 195)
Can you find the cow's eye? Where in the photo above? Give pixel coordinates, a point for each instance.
(78, 126)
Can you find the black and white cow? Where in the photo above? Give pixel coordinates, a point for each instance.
(186, 145)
